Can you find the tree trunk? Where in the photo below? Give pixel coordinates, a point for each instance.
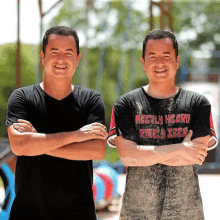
(85, 50)
(18, 53)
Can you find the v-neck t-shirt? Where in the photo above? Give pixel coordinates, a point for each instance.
(49, 187)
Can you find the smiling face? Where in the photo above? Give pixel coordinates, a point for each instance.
(60, 59)
(160, 62)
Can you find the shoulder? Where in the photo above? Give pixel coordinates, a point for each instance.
(88, 97)
(23, 91)
(129, 97)
(86, 91)
(193, 97)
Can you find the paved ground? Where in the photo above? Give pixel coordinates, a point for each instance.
(210, 190)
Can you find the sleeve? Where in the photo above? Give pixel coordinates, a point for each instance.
(96, 109)
(16, 107)
(122, 123)
(202, 123)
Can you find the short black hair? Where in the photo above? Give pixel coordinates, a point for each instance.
(160, 34)
(63, 31)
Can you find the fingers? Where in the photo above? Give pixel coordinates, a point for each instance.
(97, 136)
(195, 151)
(24, 127)
(93, 131)
(197, 160)
(98, 124)
(21, 128)
(203, 147)
(104, 135)
(28, 124)
(95, 128)
(18, 128)
(24, 121)
(200, 156)
(99, 132)
(88, 128)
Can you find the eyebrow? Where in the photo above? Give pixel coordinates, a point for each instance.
(53, 48)
(167, 52)
(69, 50)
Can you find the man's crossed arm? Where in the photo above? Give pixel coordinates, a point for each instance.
(185, 153)
(87, 143)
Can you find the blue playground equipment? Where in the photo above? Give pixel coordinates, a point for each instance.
(8, 180)
(105, 186)
(98, 188)
(107, 170)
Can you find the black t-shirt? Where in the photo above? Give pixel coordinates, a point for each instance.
(48, 187)
(160, 191)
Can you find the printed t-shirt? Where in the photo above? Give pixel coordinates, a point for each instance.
(160, 191)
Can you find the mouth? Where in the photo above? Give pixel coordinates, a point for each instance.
(161, 71)
(60, 67)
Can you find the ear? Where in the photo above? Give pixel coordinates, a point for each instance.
(78, 58)
(42, 57)
(178, 61)
(143, 63)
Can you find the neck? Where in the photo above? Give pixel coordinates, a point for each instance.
(161, 91)
(57, 89)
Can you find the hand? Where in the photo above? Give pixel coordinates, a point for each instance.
(24, 126)
(92, 131)
(194, 151)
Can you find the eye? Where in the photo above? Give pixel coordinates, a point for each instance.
(54, 53)
(69, 54)
(166, 57)
(152, 57)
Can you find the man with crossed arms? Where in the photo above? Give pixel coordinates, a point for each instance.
(56, 129)
(161, 133)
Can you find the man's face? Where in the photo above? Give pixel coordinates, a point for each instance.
(160, 62)
(60, 59)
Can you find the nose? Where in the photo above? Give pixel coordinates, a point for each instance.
(159, 60)
(61, 56)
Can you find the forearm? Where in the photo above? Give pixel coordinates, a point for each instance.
(188, 153)
(32, 144)
(131, 155)
(26, 141)
(148, 158)
(178, 161)
(88, 150)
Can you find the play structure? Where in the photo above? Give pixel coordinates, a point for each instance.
(105, 187)
(7, 177)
